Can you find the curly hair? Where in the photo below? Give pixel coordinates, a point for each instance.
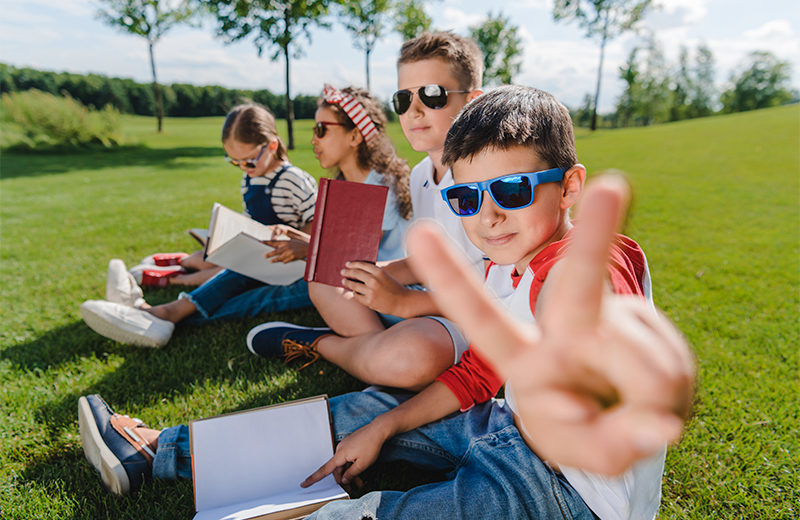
(381, 155)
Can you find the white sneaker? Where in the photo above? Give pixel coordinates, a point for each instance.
(126, 324)
(121, 286)
(137, 270)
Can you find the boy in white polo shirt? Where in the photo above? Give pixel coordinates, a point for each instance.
(438, 74)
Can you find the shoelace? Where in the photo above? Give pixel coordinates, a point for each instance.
(293, 350)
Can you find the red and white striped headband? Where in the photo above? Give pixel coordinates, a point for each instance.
(354, 110)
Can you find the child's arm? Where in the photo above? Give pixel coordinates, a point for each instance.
(360, 450)
(600, 380)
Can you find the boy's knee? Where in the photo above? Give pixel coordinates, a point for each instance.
(409, 360)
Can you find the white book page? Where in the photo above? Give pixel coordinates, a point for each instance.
(323, 491)
(226, 224)
(244, 254)
(259, 454)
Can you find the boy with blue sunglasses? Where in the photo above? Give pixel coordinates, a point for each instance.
(594, 390)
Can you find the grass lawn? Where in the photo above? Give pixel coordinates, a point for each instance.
(716, 210)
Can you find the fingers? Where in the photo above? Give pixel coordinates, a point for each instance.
(459, 295)
(323, 471)
(578, 289)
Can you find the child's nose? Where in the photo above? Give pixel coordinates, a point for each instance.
(490, 212)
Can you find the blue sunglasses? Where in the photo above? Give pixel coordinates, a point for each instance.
(513, 191)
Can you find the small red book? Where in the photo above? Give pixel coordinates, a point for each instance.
(347, 227)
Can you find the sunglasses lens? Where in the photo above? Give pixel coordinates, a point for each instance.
(464, 200)
(401, 101)
(512, 192)
(319, 130)
(433, 96)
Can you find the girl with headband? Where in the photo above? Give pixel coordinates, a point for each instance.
(349, 139)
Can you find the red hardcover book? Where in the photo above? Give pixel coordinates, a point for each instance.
(347, 227)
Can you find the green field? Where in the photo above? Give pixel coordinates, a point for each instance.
(717, 210)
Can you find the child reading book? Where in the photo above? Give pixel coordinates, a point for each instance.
(357, 154)
(274, 192)
(438, 73)
(597, 382)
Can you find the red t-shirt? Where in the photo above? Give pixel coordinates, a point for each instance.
(473, 380)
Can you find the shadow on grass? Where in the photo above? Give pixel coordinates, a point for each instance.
(35, 164)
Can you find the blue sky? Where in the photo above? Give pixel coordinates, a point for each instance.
(63, 35)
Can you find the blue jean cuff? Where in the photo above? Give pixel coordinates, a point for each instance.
(173, 456)
(200, 309)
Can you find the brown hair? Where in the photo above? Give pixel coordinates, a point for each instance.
(251, 123)
(381, 155)
(462, 54)
(512, 116)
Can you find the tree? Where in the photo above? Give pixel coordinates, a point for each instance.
(272, 23)
(604, 20)
(682, 87)
(364, 19)
(762, 84)
(411, 18)
(704, 92)
(150, 19)
(646, 99)
(501, 47)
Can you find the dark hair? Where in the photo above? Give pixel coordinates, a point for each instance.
(462, 54)
(512, 116)
(381, 154)
(251, 123)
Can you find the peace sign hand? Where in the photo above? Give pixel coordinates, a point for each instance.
(600, 380)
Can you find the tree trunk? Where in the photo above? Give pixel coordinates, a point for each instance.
(289, 105)
(368, 49)
(156, 90)
(597, 92)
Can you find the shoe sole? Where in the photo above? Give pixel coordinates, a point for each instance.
(111, 331)
(272, 324)
(115, 479)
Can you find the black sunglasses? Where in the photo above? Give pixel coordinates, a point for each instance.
(321, 128)
(432, 96)
(247, 163)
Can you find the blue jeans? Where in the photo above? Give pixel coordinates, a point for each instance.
(491, 472)
(229, 295)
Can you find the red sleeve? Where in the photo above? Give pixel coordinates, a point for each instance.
(626, 267)
(472, 380)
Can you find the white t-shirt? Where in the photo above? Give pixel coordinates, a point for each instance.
(634, 495)
(428, 203)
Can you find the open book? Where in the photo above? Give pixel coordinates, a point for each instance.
(250, 464)
(234, 242)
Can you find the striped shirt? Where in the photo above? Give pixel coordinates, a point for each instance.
(293, 197)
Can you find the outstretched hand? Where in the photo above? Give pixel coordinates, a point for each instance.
(600, 380)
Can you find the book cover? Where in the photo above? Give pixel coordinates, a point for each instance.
(235, 242)
(250, 464)
(347, 227)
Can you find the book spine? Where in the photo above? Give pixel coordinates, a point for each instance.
(319, 215)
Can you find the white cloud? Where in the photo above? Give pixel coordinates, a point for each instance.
(457, 20)
(692, 11)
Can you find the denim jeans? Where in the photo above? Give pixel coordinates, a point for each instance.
(229, 295)
(491, 472)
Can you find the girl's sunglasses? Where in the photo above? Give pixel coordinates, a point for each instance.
(247, 163)
(321, 128)
(513, 191)
(432, 96)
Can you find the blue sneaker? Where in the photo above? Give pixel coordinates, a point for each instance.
(279, 339)
(112, 447)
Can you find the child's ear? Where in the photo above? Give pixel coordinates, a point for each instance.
(473, 94)
(273, 146)
(355, 137)
(572, 185)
